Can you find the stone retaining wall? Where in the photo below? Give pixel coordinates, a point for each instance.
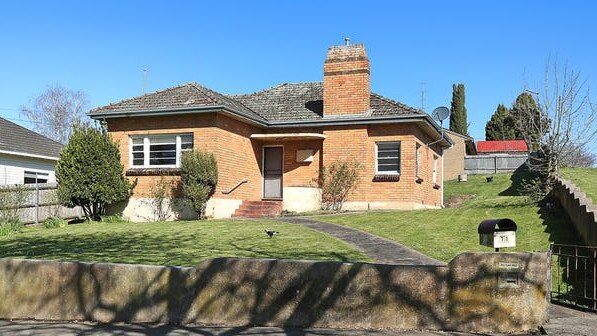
(481, 292)
(580, 208)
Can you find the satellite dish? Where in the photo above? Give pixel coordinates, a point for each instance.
(440, 113)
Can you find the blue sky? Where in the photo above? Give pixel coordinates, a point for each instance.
(101, 47)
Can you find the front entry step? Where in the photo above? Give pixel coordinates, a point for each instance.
(258, 209)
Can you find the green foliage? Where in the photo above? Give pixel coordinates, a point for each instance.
(199, 178)
(54, 223)
(118, 218)
(336, 181)
(501, 125)
(458, 117)
(530, 122)
(8, 227)
(89, 172)
(535, 188)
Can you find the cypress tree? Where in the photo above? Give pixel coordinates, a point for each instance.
(458, 121)
(501, 125)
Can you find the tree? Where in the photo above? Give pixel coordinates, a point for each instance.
(501, 125)
(336, 181)
(199, 178)
(458, 121)
(55, 111)
(530, 121)
(578, 157)
(568, 121)
(89, 172)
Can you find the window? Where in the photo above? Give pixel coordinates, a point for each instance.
(435, 158)
(35, 177)
(417, 160)
(162, 150)
(387, 158)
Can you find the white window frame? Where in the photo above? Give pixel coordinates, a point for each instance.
(435, 159)
(377, 172)
(146, 149)
(417, 160)
(38, 175)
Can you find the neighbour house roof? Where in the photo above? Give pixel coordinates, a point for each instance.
(503, 146)
(469, 142)
(18, 140)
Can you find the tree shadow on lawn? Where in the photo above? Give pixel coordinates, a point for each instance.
(518, 177)
(173, 250)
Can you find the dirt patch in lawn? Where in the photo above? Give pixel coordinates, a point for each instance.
(455, 201)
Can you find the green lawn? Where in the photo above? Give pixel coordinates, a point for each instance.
(175, 243)
(444, 233)
(584, 178)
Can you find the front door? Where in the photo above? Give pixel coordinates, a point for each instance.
(272, 172)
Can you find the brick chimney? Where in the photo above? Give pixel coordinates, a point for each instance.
(346, 84)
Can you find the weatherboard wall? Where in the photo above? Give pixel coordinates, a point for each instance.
(12, 168)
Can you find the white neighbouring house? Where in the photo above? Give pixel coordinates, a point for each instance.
(26, 157)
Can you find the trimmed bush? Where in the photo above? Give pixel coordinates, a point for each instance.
(199, 178)
(89, 172)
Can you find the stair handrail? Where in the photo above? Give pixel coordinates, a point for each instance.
(226, 192)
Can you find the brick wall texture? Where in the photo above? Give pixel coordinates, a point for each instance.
(240, 158)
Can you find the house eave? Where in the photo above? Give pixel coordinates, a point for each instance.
(29, 155)
(177, 111)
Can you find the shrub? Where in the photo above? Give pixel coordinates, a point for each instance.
(160, 200)
(336, 181)
(89, 172)
(54, 222)
(8, 227)
(199, 178)
(535, 188)
(118, 218)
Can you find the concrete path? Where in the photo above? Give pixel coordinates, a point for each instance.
(381, 250)
(563, 322)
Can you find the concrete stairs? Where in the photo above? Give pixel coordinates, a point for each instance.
(258, 209)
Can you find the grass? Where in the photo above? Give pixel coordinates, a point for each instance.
(584, 178)
(175, 243)
(444, 233)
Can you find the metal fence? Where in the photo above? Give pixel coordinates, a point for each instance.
(574, 275)
(33, 203)
(493, 164)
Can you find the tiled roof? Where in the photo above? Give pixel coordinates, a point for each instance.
(502, 146)
(15, 138)
(183, 96)
(299, 101)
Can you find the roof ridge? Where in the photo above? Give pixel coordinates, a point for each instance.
(145, 94)
(204, 90)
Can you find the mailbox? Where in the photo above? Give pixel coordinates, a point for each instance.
(497, 233)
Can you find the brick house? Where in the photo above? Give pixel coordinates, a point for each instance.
(271, 145)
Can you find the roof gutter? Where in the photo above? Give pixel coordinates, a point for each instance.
(177, 111)
(44, 157)
(342, 121)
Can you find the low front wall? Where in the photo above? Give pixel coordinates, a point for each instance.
(580, 209)
(482, 292)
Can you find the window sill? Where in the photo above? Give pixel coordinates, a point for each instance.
(436, 186)
(152, 171)
(419, 180)
(386, 178)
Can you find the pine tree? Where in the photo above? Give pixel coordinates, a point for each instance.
(501, 125)
(458, 121)
(530, 122)
(89, 172)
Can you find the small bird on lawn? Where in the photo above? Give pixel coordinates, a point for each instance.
(271, 232)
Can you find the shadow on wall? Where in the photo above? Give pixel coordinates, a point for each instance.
(467, 295)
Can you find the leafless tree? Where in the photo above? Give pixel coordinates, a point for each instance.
(572, 117)
(55, 111)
